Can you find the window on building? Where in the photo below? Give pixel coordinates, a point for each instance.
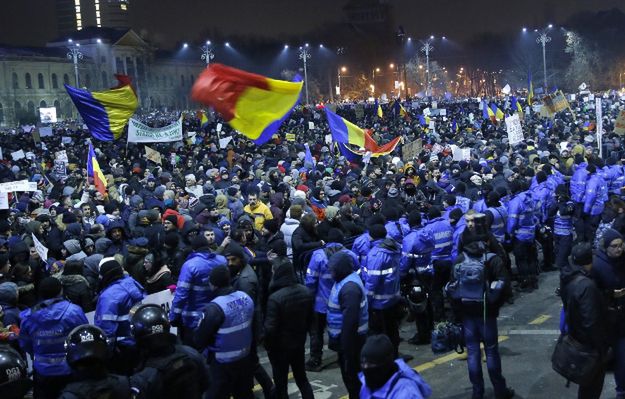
(65, 79)
(55, 81)
(40, 81)
(105, 80)
(16, 83)
(43, 104)
(31, 108)
(182, 80)
(29, 82)
(57, 105)
(1, 114)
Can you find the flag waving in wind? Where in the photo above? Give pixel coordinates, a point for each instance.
(343, 131)
(530, 89)
(106, 113)
(378, 109)
(94, 171)
(253, 104)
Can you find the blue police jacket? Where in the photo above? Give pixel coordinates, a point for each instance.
(464, 203)
(563, 222)
(611, 173)
(234, 338)
(43, 331)
(443, 241)
(596, 195)
(543, 199)
(335, 314)
(318, 277)
(397, 229)
(416, 249)
(361, 246)
(457, 236)
(618, 182)
(380, 273)
(113, 308)
(578, 183)
(480, 206)
(192, 290)
(521, 220)
(500, 218)
(405, 383)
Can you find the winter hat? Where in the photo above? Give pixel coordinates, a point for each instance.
(232, 191)
(278, 247)
(377, 231)
(110, 265)
(72, 246)
(220, 277)
(199, 242)
(235, 250)
(610, 235)
(455, 214)
(102, 245)
(377, 351)
(172, 219)
(50, 287)
(331, 212)
(393, 192)
(581, 254)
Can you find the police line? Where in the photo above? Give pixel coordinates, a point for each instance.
(162, 298)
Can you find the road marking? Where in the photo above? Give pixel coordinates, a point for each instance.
(533, 332)
(540, 319)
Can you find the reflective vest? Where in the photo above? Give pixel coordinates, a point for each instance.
(563, 224)
(335, 315)
(234, 337)
(498, 227)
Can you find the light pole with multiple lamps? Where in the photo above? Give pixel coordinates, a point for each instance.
(543, 39)
(427, 48)
(304, 55)
(75, 55)
(207, 53)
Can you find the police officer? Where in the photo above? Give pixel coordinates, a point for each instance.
(380, 275)
(384, 377)
(521, 228)
(42, 335)
(348, 318)
(319, 282)
(226, 330)
(441, 259)
(192, 290)
(119, 294)
(182, 370)
(595, 197)
(14, 381)
(87, 352)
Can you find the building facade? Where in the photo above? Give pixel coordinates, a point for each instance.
(75, 15)
(33, 78)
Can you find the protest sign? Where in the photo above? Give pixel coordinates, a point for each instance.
(40, 248)
(66, 140)
(62, 155)
(426, 112)
(60, 169)
(619, 125)
(17, 155)
(461, 154)
(22, 185)
(223, 143)
(515, 131)
(45, 131)
(4, 200)
(556, 102)
(599, 112)
(290, 137)
(141, 133)
(328, 139)
(442, 112)
(219, 127)
(411, 150)
(153, 155)
(311, 125)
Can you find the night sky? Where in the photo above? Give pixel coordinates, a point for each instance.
(169, 22)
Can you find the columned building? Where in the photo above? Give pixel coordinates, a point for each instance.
(31, 78)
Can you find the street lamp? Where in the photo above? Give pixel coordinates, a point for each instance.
(342, 69)
(543, 39)
(304, 55)
(74, 55)
(207, 53)
(373, 72)
(427, 48)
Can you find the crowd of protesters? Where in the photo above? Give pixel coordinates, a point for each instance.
(261, 247)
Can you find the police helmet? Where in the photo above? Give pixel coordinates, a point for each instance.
(147, 320)
(14, 381)
(416, 299)
(86, 342)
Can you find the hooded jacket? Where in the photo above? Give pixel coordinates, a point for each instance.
(114, 304)
(405, 383)
(380, 274)
(289, 311)
(287, 228)
(609, 274)
(8, 301)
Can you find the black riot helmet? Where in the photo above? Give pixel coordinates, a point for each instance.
(148, 322)
(86, 342)
(14, 381)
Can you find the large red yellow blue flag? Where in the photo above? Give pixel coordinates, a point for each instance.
(253, 104)
(343, 131)
(106, 113)
(94, 171)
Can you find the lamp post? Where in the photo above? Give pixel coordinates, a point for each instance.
(427, 48)
(304, 55)
(543, 39)
(207, 53)
(74, 55)
(342, 69)
(373, 72)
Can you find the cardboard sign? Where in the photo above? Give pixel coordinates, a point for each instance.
(223, 143)
(153, 155)
(311, 125)
(290, 137)
(515, 131)
(411, 150)
(17, 155)
(40, 248)
(619, 125)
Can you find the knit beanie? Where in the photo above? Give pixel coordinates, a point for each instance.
(377, 351)
(220, 277)
(610, 235)
(50, 287)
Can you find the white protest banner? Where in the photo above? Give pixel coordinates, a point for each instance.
(218, 127)
(162, 298)
(4, 200)
(40, 248)
(311, 125)
(17, 155)
(47, 115)
(28, 128)
(61, 155)
(432, 126)
(471, 116)
(426, 112)
(619, 125)
(45, 131)
(224, 142)
(22, 185)
(461, 154)
(515, 131)
(506, 89)
(140, 133)
(599, 112)
(66, 140)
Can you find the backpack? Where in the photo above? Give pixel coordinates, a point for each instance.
(179, 374)
(111, 387)
(446, 337)
(470, 279)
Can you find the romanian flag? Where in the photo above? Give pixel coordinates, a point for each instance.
(454, 126)
(355, 156)
(343, 131)
(499, 115)
(399, 109)
(94, 171)
(253, 104)
(488, 113)
(351, 155)
(516, 106)
(106, 113)
(203, 119)
(378, 109)
(530, 89)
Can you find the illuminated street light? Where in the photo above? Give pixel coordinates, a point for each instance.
(74, 55)
(207, 53)
(304, 55)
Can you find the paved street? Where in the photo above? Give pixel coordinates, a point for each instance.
(528, 330)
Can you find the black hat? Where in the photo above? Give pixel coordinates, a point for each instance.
(377, 351)
(110, 266)
(220, 277)
(233, 249)
(50, 287)
(581, 254)
(377, 231)
(198, 242)
(278, 247)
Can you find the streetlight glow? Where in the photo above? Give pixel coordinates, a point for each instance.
(550, 26)
(392, 66)
(524, 30)
(227, 44)
(185, 45)
(321, 46)
(286, 46)
(344, 69)
(99, 40)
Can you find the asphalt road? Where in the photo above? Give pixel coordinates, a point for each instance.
(528, 330)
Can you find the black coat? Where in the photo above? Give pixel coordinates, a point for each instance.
(77, 290)
(303, 241)
(289, 311)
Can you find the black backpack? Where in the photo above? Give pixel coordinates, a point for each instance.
(179, 375)
(111, 387)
